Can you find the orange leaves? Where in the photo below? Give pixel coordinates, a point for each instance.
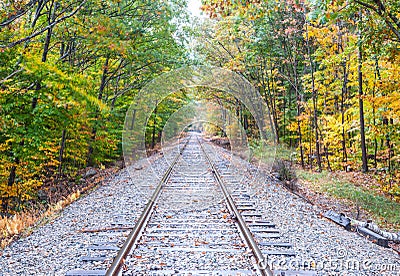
(251, 9)
(198, 242)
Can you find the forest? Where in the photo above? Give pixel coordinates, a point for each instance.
(69, 69)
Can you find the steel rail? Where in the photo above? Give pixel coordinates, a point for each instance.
(263, 267)
(119, 260)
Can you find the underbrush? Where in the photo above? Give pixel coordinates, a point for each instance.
(24, 222)
(361, 190)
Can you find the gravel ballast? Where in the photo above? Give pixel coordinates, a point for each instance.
(56, 247)
(320, 245)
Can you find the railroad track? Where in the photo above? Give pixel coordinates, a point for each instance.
(194, 225)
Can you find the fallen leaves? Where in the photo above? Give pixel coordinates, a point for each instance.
(198, 242)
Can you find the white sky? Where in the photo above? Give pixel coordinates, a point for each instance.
(194, 8)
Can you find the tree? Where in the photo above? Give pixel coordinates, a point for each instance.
(68, 73)
(361, 101)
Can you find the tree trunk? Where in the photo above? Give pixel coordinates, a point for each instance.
(159, 136)
(314, 99)
(377, 76)
(327, 158)
(298, 104)
(388, 143)
(50, 19)
(361, 102)
(344, 93)
(271, 92)
(153, 137)
(310, 155)
(245, 122)
(133, 119)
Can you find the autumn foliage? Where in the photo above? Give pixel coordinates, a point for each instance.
(328, 71)
(68, 72)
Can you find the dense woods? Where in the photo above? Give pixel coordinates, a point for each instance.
(328, 71)
(69, 71)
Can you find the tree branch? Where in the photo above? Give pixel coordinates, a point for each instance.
(12, 44)
(381, 11)
(12, 75)
(368, 6)
(20, 13)
(391, 16)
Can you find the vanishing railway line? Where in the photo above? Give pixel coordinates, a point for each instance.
(194, 225)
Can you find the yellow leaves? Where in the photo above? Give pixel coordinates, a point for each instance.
(6, 144)
(387, 90)
(312, 32)
(4, 147)
(237, 63)
(25, 182)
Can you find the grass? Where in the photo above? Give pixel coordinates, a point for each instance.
(269, 153)
(383, 210)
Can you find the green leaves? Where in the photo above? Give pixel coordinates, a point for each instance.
(56, 80)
